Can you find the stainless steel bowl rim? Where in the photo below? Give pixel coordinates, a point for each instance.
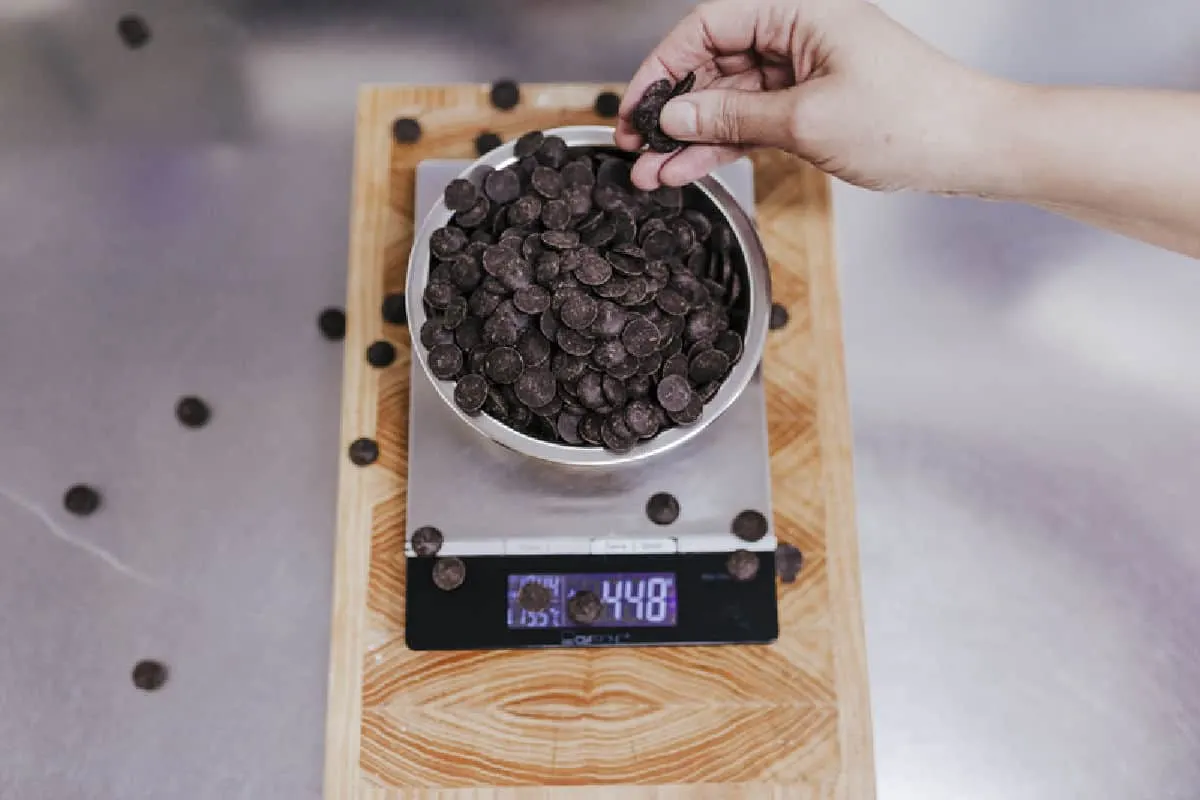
(758, 291)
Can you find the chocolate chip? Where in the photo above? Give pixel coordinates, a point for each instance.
(556, 215)
(560, 240)
(486, 142)
(579, 312)
(192, 412)
(689, 413)
(363, 452)
(640, 337)
(730, 343)
(332, 322)
(81, 500)
(470, 392)
(536, 387)
(527, 144)
(589, 429)
(502, 185)
(149, 675)
(788, 561)
(593, 269)
(567, 427)
(504, 365)
(532, 299)
(749, 526)
(533, 596)
(779, 316)
(427, 541)
(395, 309)
(708, 365)
(584, 607)
(449, 573)
(609, 354)
(641, 419)
(406, 130)
(381, 354)
(662, 508)
(475, 215)
(439, 294)
(546, 182)
(616, 435)
(505, 94)
(607, 104)
(674, 393)
(742, 565)
(445, 361)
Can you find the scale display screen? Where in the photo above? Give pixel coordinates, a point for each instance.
(628, 600)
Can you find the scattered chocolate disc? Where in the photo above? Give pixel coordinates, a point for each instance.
(445, 361)
(788, 561)
(742, 565)
(395, 309)
(470, 392)
(449, 573)
(607, 104)
(486, 142)
(381, 354)
(533, 596)
(584, 607)
(662, 508)
(406, 130)
(332, 323)
(149, 675)
(134, 31)
(779, 317)
(749, 526)
(192, 412)
(81, 500)
(505, 94)
(427, 541)
(363, 452)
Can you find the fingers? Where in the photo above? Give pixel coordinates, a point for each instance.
(723, 27)
(681, 167)
(693, 163)
(731, 116)
(645, 170)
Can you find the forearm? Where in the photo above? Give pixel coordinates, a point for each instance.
(1122, 159)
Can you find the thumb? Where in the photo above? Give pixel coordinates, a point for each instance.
(730, 116)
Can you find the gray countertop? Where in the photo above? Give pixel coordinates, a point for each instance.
(1025, 396)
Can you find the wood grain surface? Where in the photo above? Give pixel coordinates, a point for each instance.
(787, 720)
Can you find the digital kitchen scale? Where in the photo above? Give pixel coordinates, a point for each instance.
(540, 555)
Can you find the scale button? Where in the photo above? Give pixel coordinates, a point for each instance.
(525, 547)
(601, 547)
(656, 546)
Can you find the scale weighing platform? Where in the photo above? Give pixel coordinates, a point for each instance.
(539, 555)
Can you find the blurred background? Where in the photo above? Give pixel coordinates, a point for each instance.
(174, 189)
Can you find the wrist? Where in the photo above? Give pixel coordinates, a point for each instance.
(990, 165)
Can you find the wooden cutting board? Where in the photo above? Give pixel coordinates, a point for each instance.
(787, 720)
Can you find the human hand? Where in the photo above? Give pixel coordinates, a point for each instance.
(836, 82)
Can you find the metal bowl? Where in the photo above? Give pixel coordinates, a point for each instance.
(756, 280)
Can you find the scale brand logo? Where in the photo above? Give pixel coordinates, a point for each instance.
(594, 639)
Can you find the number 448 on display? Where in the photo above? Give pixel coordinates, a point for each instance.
(646, 598)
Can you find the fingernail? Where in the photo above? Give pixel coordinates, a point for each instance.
(680, 118)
